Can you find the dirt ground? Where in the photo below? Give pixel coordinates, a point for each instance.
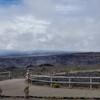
(15, 87)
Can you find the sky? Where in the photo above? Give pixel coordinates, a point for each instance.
(54, 25)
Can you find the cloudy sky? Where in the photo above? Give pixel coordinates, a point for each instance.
(63, 25)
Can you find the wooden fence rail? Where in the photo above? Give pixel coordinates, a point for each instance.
(5, 74)
(65, 80)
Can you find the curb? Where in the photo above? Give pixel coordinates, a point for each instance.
(47, 97)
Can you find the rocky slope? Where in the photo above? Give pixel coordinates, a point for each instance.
(61, 59)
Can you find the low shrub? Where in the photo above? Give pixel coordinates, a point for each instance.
(56, 85)
(0, 91)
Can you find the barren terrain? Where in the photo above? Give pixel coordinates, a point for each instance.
(15, 87)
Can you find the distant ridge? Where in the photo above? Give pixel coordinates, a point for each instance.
(55, 58)
(7, 54)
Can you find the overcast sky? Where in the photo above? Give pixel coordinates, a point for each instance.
(63, 25)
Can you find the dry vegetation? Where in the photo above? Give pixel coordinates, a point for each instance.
(20, 72)
(47, 70)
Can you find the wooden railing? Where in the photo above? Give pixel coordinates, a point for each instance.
(66, 80)
(5, 74)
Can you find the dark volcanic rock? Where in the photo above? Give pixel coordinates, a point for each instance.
(61, 59)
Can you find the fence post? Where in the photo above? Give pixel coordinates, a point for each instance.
(90, 83)
(69, 82)
(51, 81)
(9, 75)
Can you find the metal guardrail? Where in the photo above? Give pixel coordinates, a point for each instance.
(67, 80)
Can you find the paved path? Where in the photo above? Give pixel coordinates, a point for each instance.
(16, 86)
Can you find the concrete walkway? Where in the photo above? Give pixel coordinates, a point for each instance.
(15, 87)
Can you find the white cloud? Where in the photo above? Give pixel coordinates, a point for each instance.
(21, 29)
(71, 25)
(68, 8)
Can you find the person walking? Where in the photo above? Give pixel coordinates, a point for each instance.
(28, 75)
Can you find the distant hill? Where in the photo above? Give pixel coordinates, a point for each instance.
(9, 54)
(61, 58)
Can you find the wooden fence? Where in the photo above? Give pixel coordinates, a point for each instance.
(90, 81)
(5, 74)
